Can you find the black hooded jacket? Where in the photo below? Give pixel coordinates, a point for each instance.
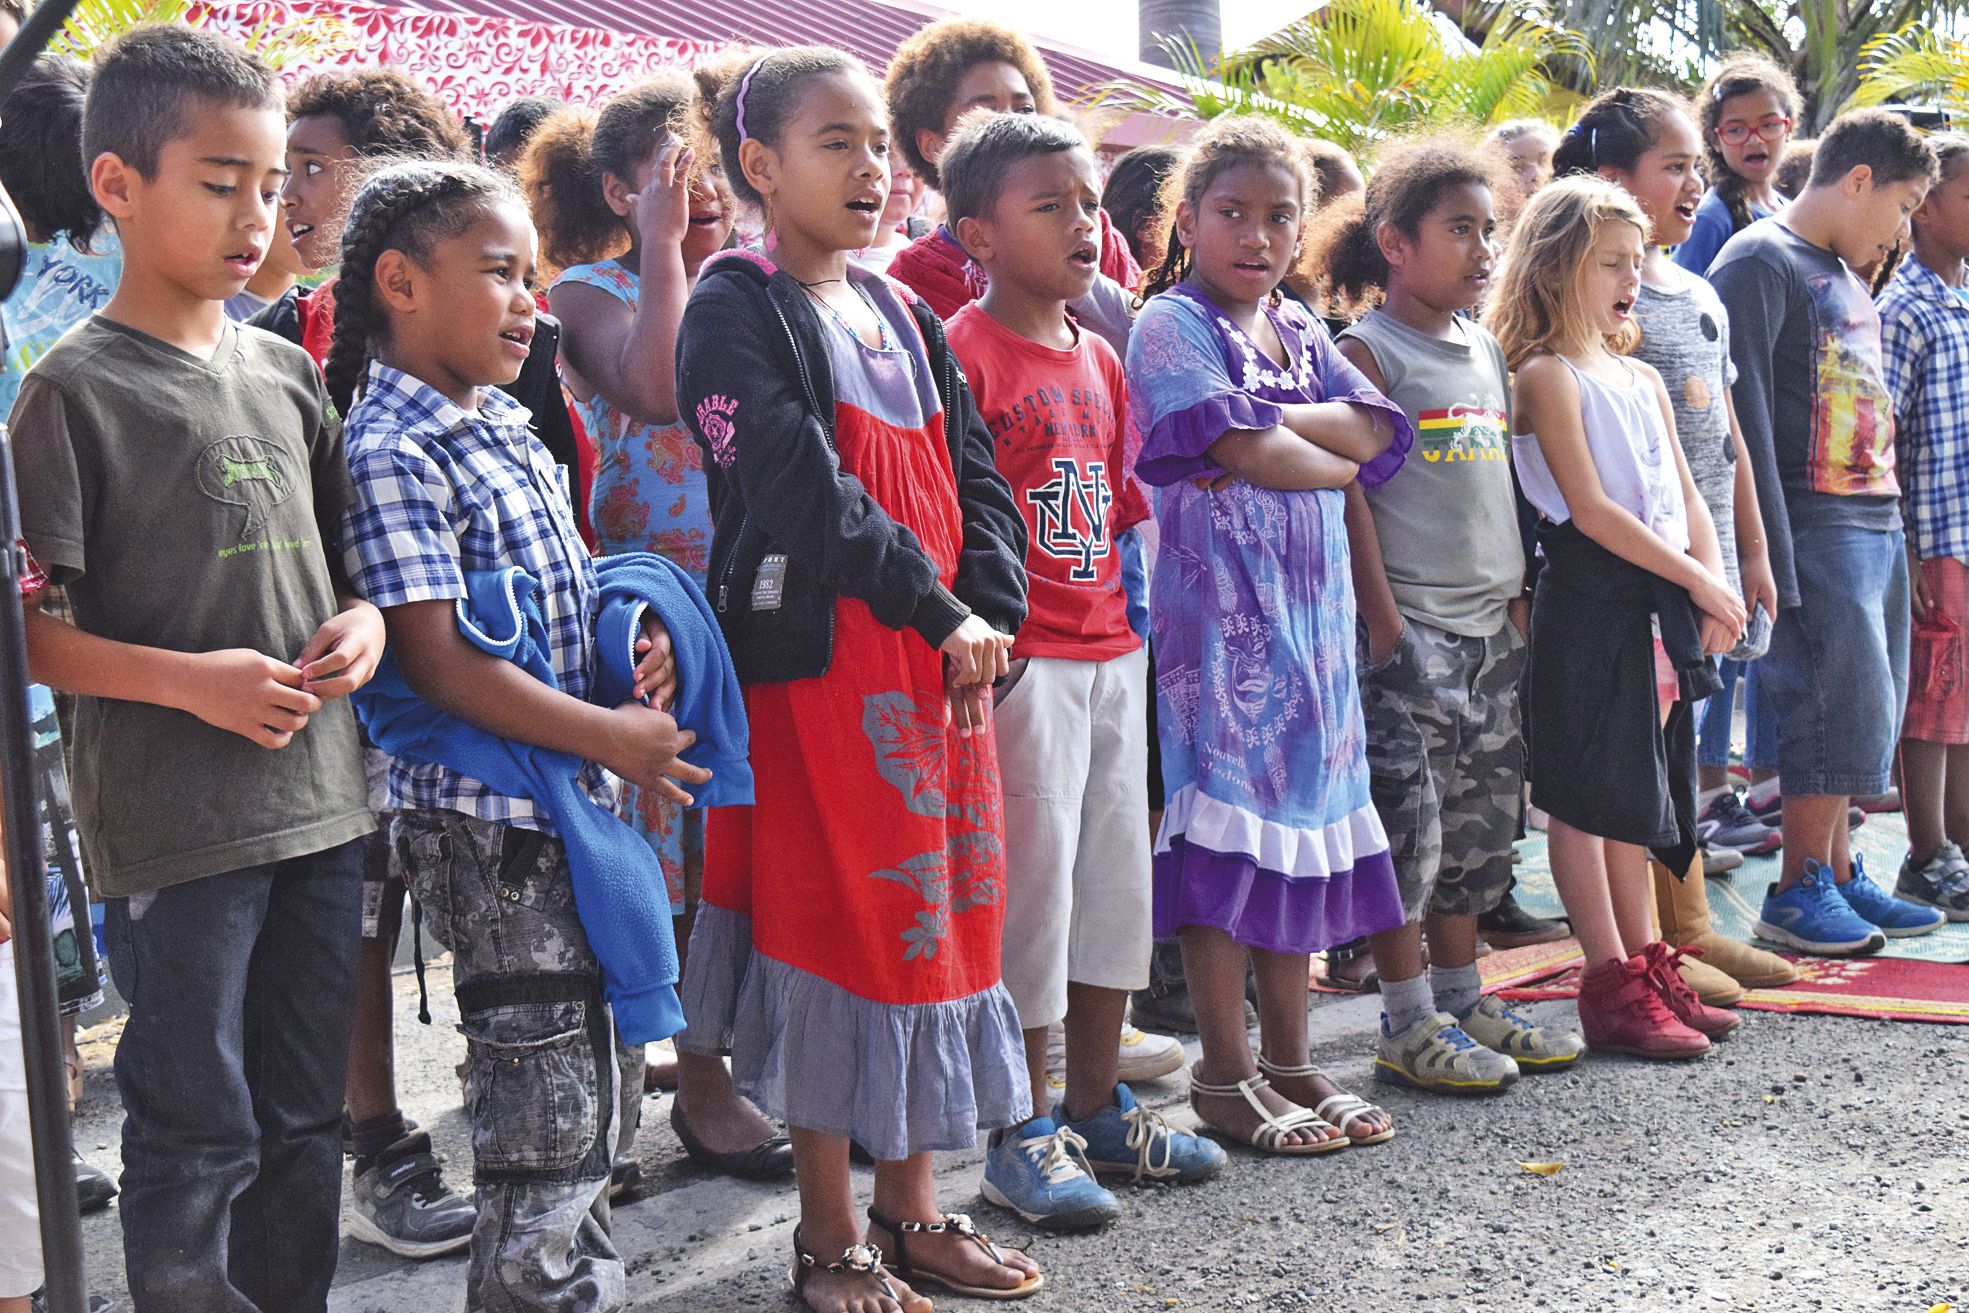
(755, 386)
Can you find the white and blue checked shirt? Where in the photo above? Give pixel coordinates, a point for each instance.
(1924, 340)
(439, 494)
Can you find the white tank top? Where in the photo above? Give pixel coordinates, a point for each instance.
(1629, 446)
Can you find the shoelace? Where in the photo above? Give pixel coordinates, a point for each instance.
(1055, 1156)
(1735, 813)
(1144, 1126)
(1662, 964)
(1512, 1015)
(1456, 1038)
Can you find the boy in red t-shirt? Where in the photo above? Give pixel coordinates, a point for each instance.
(1024, 199)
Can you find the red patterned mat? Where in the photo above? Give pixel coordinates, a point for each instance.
(1889, 988)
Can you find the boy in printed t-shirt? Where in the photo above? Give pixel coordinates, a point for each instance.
(1024, 199)
(179, 474)
(1818, 423)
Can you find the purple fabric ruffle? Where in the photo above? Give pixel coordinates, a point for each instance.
(1182, 439)
(1267, 910)
(1383, 467)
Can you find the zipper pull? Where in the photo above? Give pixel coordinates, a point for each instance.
(724, 595)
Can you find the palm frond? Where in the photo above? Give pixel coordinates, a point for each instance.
(279, 43)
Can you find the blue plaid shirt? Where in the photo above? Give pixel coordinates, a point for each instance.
(440, 493)
(1924, 341)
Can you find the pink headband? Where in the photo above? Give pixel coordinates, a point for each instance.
(744, 85)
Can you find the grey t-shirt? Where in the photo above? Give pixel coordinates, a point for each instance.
(1685, 335)
(1811, 395)
(1447, 520)
(182, 502)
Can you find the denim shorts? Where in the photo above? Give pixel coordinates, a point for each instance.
(1837, 668)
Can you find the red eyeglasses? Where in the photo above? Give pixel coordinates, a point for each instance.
(1735, 134)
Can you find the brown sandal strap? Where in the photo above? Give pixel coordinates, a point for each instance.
(958, 1224)
(864, 1259)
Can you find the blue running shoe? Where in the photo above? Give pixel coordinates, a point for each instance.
(1039, 1171)
(1126, 1138)
(1896, 917)
(1813, 917)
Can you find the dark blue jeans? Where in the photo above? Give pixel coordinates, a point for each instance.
(231, 1067)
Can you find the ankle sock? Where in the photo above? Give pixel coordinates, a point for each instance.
(1405, 1002)
(1707, 796)
(1457, 989)
(375, 1134)
(1764, 790)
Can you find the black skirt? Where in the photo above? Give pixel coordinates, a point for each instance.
(1600, 758)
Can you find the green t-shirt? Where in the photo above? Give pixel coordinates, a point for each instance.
(182, 502)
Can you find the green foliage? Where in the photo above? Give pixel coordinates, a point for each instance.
(1359, 71)
(1915, 63)
(94, 22)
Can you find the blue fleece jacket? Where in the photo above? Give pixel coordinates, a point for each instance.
(618, 884)
(709, 701)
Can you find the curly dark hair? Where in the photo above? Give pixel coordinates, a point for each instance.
(1133, 196)
(1409, 180)
(770, 97)
(1615, 130)
(1739, 75)
(562, 168)
(1227, 143)
(926, 69)
(41, 162)
(408, 207)
(383, 112)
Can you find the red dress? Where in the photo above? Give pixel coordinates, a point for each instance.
(872, 866)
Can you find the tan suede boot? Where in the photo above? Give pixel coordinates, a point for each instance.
(1684, 909)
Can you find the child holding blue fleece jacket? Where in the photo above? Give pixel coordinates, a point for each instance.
(461, 533)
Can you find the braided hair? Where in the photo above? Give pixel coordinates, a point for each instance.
(407, 207)
(1740, 75)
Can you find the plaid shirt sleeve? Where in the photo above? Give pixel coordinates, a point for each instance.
(398, 543)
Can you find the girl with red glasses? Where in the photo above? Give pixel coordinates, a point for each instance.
(1747, 109)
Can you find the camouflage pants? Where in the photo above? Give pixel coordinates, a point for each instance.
(542, 1052)
(1446, 761)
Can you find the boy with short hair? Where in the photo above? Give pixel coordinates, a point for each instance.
(179, 474)
(1818, 423)
(1924, 331)
(1024, 197)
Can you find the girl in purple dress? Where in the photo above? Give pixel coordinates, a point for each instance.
(1251, 425)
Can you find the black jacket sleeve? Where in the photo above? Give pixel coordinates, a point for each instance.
(741, 389)
(991, 575)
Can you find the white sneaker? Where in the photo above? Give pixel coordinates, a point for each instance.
(1143, 1057)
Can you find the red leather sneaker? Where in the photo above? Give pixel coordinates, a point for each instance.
(1621, 1011)
(1663, 963)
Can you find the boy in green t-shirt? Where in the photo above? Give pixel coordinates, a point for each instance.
(176, 471)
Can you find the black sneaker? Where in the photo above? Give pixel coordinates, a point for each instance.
(93, 1188)
(1509, 925)
(402, 1203)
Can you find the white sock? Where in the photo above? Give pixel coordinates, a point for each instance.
(1765, 790)
(1405, 1002)
(1457, 989)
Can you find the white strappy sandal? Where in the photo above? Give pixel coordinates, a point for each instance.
(1271, 1134)
(1342, 1109)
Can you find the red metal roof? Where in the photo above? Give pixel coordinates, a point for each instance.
(870, 28)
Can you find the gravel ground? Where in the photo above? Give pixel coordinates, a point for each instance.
(1767, 1176)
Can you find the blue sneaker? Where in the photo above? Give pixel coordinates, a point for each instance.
(1126, 1138)
(1813, 917)
(1896, 917)
(1036, 1170)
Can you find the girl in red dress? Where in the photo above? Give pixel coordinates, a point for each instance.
(866, 567)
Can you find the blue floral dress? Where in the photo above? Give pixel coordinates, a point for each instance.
(649, 496)
(1268, 832)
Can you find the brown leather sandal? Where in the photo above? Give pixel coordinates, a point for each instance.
(862, 1259)
(960, 1225)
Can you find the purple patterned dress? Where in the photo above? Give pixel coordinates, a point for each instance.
(1269, 834)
